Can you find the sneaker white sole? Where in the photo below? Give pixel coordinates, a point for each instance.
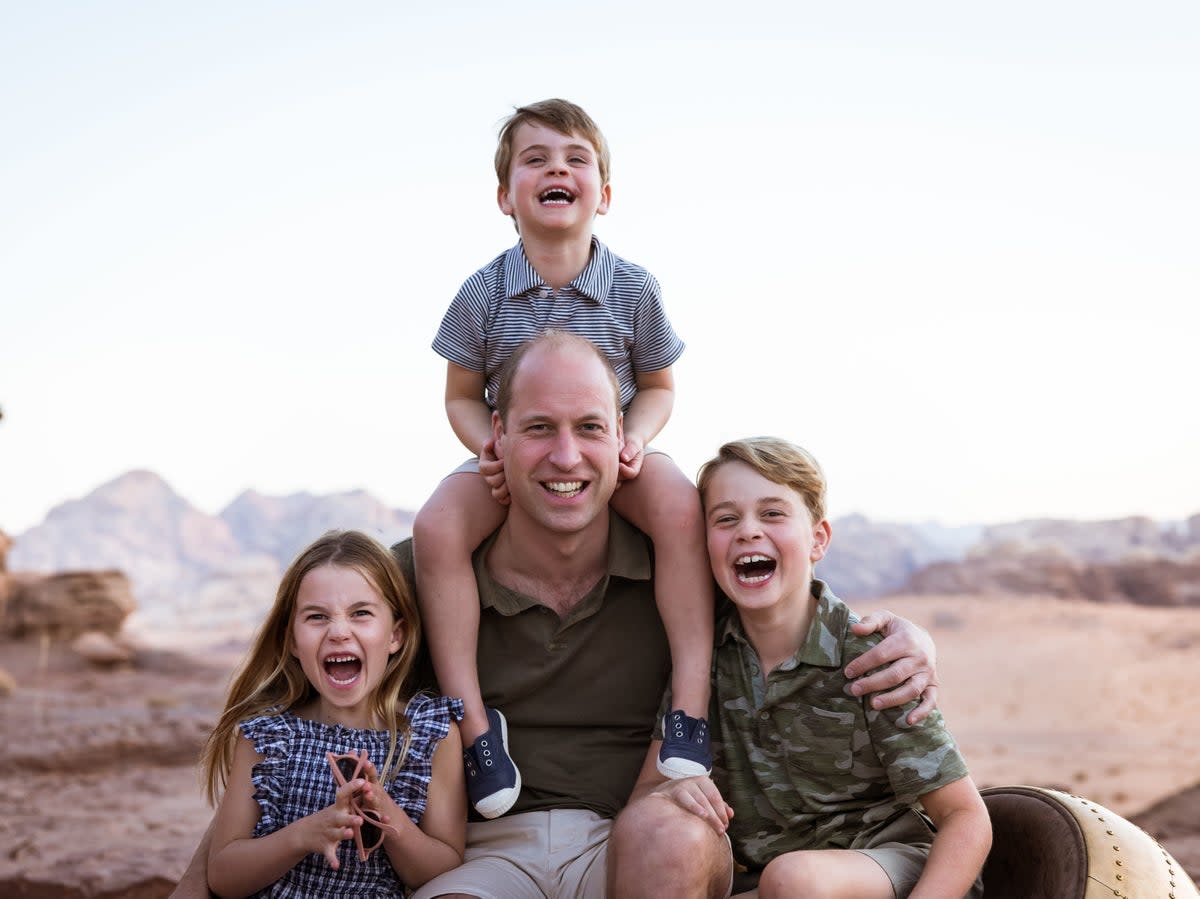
(677, 769)
(498, 803)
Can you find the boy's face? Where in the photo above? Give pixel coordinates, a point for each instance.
(762, 541)
(554, 183)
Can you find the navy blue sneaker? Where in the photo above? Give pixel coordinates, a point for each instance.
(493, 781)
(685, 751)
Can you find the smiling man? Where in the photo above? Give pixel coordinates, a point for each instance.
(577, 659)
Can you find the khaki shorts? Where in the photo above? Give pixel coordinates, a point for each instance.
(560, 853)
(901, 849)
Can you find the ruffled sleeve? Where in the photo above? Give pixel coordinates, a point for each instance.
(429, 719)
(271, 736)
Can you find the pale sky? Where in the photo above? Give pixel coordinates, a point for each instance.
(953, 249)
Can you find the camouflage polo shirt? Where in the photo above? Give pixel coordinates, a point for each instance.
(804, 764)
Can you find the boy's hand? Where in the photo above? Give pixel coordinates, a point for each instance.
(631, 459)
(911, 660)
(492, 470)
(700, 796)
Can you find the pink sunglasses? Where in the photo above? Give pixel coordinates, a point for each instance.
(369, 835)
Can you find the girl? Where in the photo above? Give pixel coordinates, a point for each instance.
(314, 710)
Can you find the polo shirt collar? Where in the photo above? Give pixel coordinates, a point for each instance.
(823, 645)
(593, 282)
(628, 557)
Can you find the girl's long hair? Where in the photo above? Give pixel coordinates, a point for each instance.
(270, 680)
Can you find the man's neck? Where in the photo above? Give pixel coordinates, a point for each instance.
(559, 261)
(778, 633)
(558, 570)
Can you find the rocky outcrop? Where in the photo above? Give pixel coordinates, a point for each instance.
(136, 524)
(189, 569)
(1050, 571)
(282, 526)
(869, 558)
(1098, 541)
(63, 606)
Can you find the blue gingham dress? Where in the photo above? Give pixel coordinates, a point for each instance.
(294, 780)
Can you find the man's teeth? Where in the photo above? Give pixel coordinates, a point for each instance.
(564, 488)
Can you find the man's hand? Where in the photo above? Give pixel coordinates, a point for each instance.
(911, 660)
(700, 796)
(492, 470)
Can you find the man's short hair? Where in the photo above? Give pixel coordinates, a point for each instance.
(561, 115)
(776, 460)
(557, 338)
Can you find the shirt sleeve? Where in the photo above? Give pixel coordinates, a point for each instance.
(462, 336)
(919, 758)
(655, 344)
(269, 734)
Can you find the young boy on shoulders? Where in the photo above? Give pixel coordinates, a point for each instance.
(822, 789)
(552, 164)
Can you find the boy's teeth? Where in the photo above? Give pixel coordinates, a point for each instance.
(753, 568)
(564, 488)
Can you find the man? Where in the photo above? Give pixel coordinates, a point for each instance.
(572, 652)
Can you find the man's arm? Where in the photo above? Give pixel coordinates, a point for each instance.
(194, 883)
(910, 658)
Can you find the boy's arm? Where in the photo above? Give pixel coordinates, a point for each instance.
(469, 414)
(648, 414)
(962, 841)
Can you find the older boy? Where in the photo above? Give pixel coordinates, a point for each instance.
(552, 164)
(822, 788)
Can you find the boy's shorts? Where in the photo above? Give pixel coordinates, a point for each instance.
(901, 849)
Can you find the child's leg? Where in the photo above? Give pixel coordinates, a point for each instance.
(665, 505)
(459, 516)
(825, 874)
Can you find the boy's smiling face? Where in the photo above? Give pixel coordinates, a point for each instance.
(554, 184)
(762, 541)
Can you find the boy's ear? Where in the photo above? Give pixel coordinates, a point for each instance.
(503, 200)
(605, 200)
(822, 534)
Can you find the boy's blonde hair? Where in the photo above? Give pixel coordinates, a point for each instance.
(776, 460)
(271, 680)
(561, 115)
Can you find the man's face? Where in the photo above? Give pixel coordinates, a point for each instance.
(561, 439)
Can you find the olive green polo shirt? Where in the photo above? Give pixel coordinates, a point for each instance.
(804, 764)
(581, 692)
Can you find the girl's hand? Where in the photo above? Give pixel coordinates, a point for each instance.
(374, 797)
(325, 830)
(492, 470)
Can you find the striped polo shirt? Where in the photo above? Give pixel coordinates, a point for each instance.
(613, 303)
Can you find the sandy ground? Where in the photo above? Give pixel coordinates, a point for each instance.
(99, 796)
